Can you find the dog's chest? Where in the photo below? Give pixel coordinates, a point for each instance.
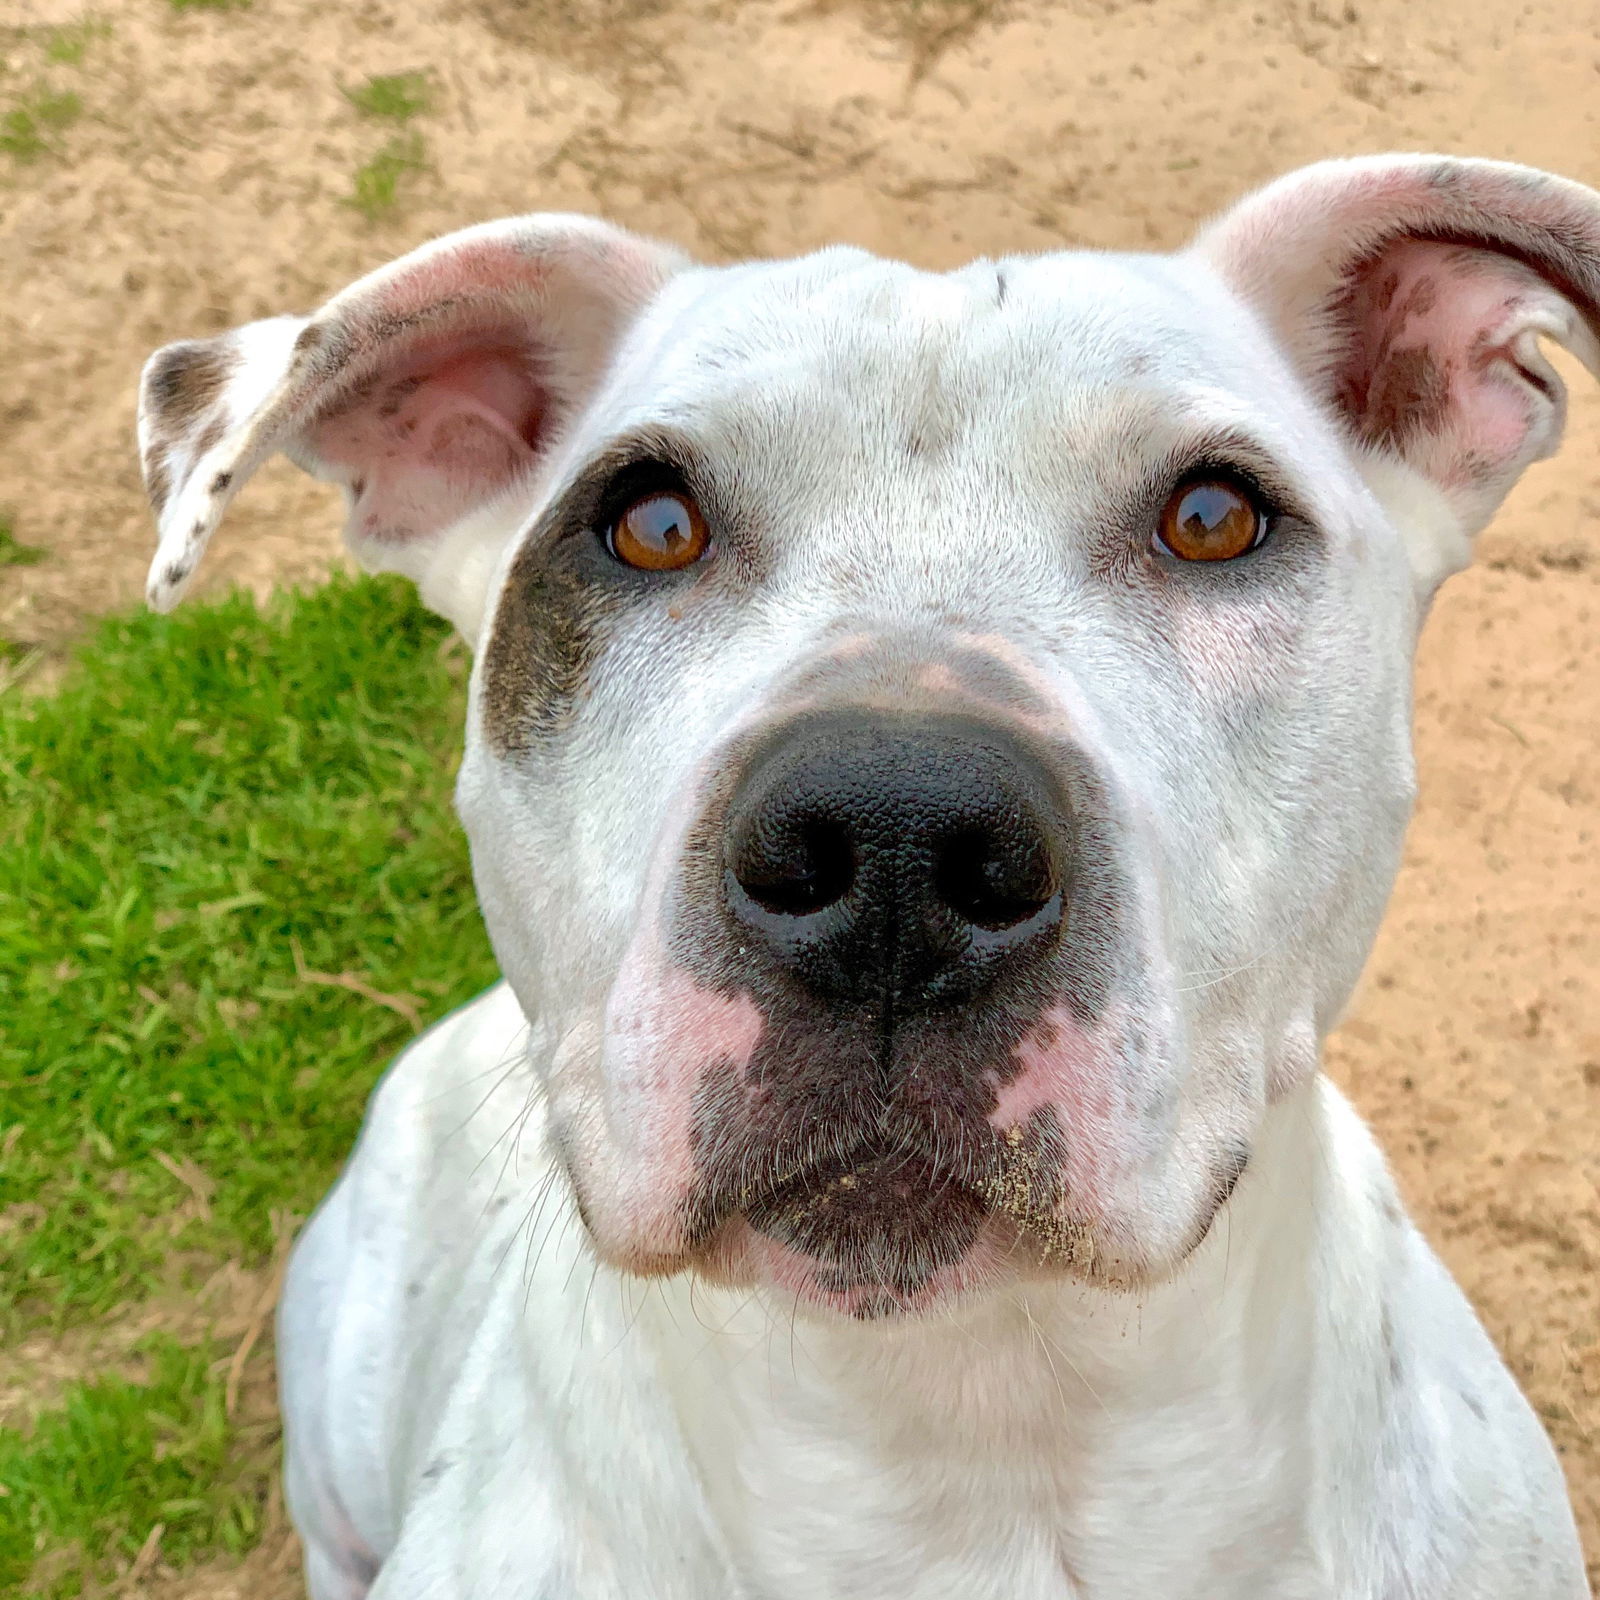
(823, 1493)
(953, 1538)
(846, 1557)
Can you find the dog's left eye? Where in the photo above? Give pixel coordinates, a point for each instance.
(660, 532)
(1211, 519)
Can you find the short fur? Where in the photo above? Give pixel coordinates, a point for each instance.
(1120, 1301)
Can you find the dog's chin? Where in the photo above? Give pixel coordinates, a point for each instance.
(880, 1238)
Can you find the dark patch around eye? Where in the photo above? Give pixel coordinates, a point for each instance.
(563, 601)
(546, 637)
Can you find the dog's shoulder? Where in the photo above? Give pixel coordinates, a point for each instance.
(450, 1151)
(466, 1393)
(396, 1238)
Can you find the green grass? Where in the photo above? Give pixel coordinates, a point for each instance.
(87, 1484)
(394, 97)
(213, 804)
(214, 809)
(13, 554)
(391, 97)
(69, 43)
(375, 189)
(26, 130)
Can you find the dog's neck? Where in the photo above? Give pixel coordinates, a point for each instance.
(1071, 1397)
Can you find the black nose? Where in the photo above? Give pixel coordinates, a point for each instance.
(897, 860)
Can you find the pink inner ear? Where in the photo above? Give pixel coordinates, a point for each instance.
(1433, 363)
(434, 437)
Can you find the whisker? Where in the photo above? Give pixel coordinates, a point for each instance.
(1220, 977)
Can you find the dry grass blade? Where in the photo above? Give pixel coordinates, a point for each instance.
(403, 1005)
(261, 1315)
(145, 1559)
(189, 1174)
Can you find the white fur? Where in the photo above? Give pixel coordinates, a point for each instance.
(484, 1400)
(475, 1398)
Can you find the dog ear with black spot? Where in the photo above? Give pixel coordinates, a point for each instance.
(431, 390)
(1412, 294)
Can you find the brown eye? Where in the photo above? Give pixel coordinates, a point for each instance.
(1210, 519)
(659, 533)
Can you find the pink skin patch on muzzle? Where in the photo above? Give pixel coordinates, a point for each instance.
(1072, 1071)
(663, 1033)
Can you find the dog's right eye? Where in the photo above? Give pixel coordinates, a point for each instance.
(660, 532)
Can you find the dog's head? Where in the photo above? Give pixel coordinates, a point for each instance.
(939, 745)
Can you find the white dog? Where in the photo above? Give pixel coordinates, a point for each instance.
(938, 752)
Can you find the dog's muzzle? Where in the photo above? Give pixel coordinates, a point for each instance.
(896, 862)
(883, 896)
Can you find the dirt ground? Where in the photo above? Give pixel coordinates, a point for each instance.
(205, 184)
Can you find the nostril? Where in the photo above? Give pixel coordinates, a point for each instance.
(796, 870)
(992, 883)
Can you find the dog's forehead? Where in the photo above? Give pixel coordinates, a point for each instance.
(1050, 370)
(844, 332)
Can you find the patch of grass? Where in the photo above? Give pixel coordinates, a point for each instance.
(26, 129)
(13, 554)
(392, 97)
(375, 189)
(92, 1477)
(213, 809)
(67, 44)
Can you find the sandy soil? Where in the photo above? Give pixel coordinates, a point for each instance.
(205, 185)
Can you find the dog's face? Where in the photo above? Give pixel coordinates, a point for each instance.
(939, 746)
(935, 875)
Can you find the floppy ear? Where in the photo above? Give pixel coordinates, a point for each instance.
(431, 390)
(1412, 293)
